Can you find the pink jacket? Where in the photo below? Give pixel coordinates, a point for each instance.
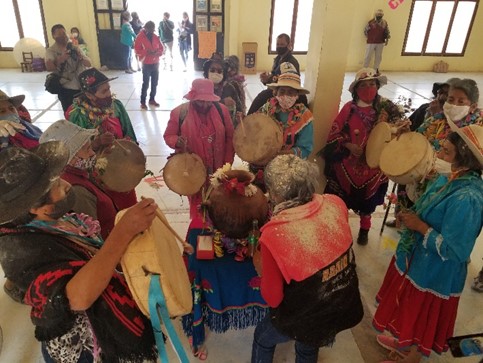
(148, 51)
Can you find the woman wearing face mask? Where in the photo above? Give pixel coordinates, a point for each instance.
(76, 39)
(96, 108)
(418, 299)
(15, 130)
(348, 175)
(461, 107)
(214, 70)
(90, 197)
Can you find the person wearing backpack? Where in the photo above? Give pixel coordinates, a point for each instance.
(165, 31)
(202, 126)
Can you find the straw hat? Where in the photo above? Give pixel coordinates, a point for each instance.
(472, 135)
(365, 74)
(289, 79)
(15, 100)
(26, 175)
(75, 137)
(202, 90)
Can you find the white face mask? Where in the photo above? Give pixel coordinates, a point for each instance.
(455, 113)
(286, 101)
(215, 77)
(442, 167)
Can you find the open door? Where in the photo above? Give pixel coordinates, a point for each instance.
(108, 25)
(209, 15)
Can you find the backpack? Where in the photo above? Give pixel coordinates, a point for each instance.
(184, 111)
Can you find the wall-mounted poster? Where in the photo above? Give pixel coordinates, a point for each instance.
(202, 6)
(216, 23)
(215, 6)
(202, 23)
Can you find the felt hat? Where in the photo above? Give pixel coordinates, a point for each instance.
(92, 78)
(26, 175)
(122, 167)
(472, 135)
(74, 136)
(365, 74)
(202, 90)
(289, 79)
(15, 100)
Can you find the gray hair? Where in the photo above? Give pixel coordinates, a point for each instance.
(468, 86)
(291, 179)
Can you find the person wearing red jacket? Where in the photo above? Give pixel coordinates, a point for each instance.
(149, 49)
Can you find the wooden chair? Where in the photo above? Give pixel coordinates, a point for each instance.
(26, 65)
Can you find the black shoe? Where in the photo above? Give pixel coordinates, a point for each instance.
(363, 237)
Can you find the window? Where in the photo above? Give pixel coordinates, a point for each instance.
(445, 24)
(292, 17)
(21, 19)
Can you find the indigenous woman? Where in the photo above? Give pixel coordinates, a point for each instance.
(295, 118)
(418, 299)
(310, 302)
(461, 107)
(214, 70)
(96, 108)
(91, 200)
(348, 175)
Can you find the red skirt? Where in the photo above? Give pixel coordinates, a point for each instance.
(413, 316)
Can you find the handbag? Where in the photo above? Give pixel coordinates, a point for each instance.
(52, 83)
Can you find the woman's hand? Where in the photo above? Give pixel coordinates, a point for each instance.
(355, 150)
(182, 142)
(229, 102)
(103, 140)
(413, 222)
(9, 128)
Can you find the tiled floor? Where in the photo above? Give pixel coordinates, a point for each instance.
(354, 346)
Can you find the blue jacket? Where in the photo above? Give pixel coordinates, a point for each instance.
(438, 260)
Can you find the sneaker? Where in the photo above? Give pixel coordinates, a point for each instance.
(143, 106)
(153, 103)
(128, 71)
(363, 237)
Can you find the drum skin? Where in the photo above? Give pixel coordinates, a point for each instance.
(125, 167)
(377, 141)
(407, 159)
(232, 213)
(258, 139)
(184, 173)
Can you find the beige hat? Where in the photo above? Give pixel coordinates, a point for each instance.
(289, 79)
(75, 137)
(472, 135)
(379, 12)
(365, 74)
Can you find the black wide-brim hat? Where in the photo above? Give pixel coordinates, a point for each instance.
(92, 78)
(27, 175)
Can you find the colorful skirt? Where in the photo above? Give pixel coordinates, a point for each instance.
(413, 316)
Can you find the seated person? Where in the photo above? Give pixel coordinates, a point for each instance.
(15, 130)
(90, 199)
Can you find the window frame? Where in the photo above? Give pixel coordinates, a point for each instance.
(18, 20)
(292, 29)
(448, 33)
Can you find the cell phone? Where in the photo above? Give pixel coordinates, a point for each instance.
(466, 345)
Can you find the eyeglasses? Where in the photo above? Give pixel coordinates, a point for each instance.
(216, 70)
